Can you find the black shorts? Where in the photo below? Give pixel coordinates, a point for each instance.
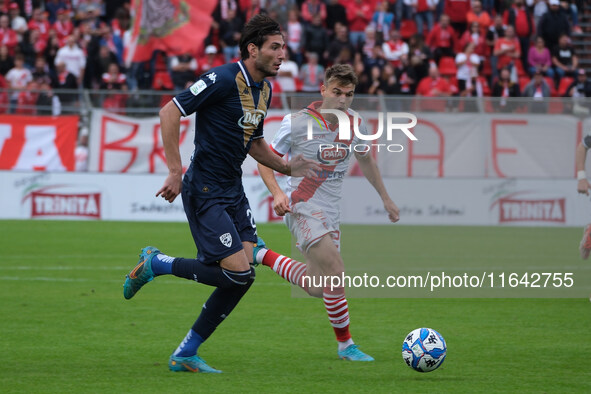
(219, 226)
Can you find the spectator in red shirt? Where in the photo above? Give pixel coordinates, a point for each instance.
(8, 36)
(209, 60)
(424, 12)
(311, 8)
(395, 48)
(39, 22)
(433, 85)
(522, 21)
(457, 10)
(442, 40)
(474, 35)
(63, 25)
(113, 79)
(478, 15)
(507, 49)
(359, 15)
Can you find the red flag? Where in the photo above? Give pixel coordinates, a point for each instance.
(173, 26)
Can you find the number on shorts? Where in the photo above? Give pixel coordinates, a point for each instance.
(251, 218)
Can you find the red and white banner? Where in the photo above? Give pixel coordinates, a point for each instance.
(38, 143)
(173, 26)
(134, 145)
(449, 145)
(123, 144)
(422, 201)
(487, 145)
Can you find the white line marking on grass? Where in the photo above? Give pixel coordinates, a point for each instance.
(61, 279)
(66, 268)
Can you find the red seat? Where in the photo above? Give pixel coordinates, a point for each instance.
(447, 66)
(520, 71)
(408, 28)
(564, 84)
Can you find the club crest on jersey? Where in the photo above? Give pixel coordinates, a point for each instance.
(226, 239)
(251, 119)
(333, 154)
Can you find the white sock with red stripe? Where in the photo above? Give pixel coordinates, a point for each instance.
(338, 314)
(288, 269)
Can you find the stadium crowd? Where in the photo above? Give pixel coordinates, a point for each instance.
(432, 48)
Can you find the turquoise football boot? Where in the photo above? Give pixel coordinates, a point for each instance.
(190, 364)
(352, 353)
(141, 274)
(258, 246)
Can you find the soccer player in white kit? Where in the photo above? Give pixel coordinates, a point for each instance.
(311, 205)
(583, 188)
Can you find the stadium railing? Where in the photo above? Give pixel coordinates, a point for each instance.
(146, 103)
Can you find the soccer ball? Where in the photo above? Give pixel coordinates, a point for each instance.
(424, 349)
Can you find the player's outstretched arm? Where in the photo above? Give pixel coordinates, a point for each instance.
(580, 156)
(371, 171)
(170, 123)
(280, 199)
(298, 166)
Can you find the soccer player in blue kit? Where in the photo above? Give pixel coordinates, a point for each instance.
(230, 103)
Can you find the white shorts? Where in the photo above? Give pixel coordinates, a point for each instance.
(308, 223)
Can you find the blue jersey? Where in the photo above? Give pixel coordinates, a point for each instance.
(229, 111)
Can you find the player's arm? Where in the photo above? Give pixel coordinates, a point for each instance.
(371, 171)
(298, 166)
(280, 199)
(580, 156)
(170, 123)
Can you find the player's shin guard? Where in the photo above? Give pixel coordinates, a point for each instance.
(338, 312)
(222, 301)
(291, 270)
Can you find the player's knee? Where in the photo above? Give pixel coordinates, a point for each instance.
(316, 291)
(239, 278)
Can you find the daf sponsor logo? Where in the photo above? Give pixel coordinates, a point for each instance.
(333, 154)
(226, 239)
(251, 119)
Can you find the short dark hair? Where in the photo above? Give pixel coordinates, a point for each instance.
(256, 31)
(343, 73)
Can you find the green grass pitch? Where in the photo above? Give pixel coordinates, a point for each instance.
(65, 326)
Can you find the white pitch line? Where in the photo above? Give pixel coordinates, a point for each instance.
(65, 268)
(61, 279)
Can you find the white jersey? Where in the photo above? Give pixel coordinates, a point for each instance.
(332, 154)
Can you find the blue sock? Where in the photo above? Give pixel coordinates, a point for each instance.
(162, 264)
(189, 345)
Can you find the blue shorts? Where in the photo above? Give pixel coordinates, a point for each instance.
(219, 225)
